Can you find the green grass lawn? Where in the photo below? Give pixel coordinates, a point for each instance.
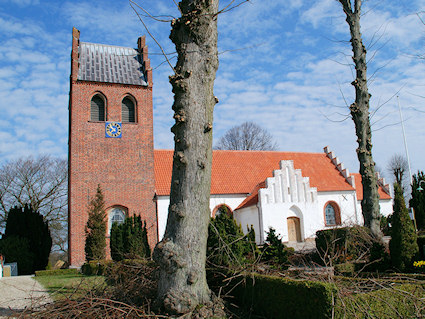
(71, 286)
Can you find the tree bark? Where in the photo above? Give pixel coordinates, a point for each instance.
(360, 114)
(181, 254)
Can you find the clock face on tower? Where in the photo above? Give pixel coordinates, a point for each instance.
(113, 129)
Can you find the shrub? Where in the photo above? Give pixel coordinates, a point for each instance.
(400, 301)
(26, 240)
(57, 272)
(275, 297)
(403, 245)
(274, 251)
(95, 267)
(226, 243)
(129, 239)
(96, 228)
(17, 249)
(351, 244)
(417, 202)
(421, 246)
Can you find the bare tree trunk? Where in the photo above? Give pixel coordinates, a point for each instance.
(360, 114)
(182, 252)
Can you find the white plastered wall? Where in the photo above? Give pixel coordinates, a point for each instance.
(231, 200)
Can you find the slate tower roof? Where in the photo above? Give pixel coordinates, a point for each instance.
(110, 64)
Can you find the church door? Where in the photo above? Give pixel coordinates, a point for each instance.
(294, 229)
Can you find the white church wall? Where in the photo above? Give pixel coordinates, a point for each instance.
(346, 201)
(231, 200)
(246, 217)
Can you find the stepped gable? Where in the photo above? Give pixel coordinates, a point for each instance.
(340, 166)
(238, 172)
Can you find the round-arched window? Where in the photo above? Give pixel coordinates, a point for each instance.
(116, 215)
(128, 110)
(332, 214)
(97, 108)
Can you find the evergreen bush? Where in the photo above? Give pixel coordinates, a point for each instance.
(96, 228)
(129, 239)
(26, 240)
(227, 243)
(417, 202)
(351, 244)
(403, 245)
(274, 251)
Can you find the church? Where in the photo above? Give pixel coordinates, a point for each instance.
(111, 145)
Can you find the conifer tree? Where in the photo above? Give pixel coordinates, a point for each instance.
(403, 245)
(27, 240)
(274, 250)
(227, 243)
(129, 239)
(96, 228)
(417, 202)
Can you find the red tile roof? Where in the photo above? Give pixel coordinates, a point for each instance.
(359, 188)
(238, 172)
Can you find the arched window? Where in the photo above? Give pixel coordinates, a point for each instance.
(97, 108)
(222, 209)
(332, 214)
(116, 215)
(128, 110)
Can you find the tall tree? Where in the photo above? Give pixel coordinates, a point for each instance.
(245, 137)
(181, 254)
(41, 183)
(360, 114)
(96, 228)
(398, 166)
(417, 202)
(403, 245)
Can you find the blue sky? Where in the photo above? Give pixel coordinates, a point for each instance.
(284, 64)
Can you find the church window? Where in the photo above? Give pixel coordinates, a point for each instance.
(97, 108)
(128, 110)
(222, 209)
(116, 215)
(332, 214)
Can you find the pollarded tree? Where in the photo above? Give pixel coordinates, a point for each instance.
(398, 166)
(245, 137)
(403, 245)
(360, 114)
(96, 228)
(181, 254)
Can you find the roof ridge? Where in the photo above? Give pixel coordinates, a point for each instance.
(110, 45)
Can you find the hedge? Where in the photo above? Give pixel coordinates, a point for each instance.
(95, 267)
(275, 297)
(56, 272)
(400, 301)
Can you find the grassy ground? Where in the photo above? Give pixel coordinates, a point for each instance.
(70, 285)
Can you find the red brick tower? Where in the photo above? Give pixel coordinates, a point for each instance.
(110, 137)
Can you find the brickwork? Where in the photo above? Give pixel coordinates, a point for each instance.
(124, 167)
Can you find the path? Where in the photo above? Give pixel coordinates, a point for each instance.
(19, 292)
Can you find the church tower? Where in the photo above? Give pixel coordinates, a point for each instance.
(110, 137)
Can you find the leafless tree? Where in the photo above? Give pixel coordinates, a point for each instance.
(398, 166)
(359, 111)
(247, 136)
(42, 183)
(181, 254)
